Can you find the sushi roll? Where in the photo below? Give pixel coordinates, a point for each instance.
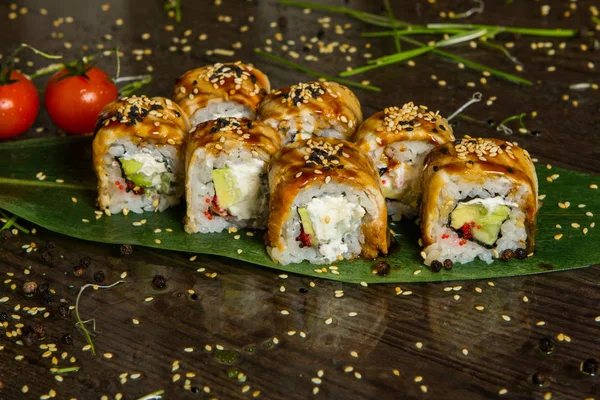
(226, 174)
(326, 204)
(398, 139)
(138, 153)
(221, 90)
(480, 199)
(304, 110)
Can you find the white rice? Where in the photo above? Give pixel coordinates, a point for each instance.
(150, 200)
(294, 253)
(447, 245)
(304, 125)
(408, 157)
(220, 109)
(200, 187)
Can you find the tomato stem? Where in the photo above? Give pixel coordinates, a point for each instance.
(7, 69)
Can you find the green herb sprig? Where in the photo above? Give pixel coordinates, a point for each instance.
(135, 84)
(316, 74)
(457, 29)
(80, 323)
(10, 222)
(173, 6)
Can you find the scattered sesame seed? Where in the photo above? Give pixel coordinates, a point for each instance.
(505, 317)
(502, 391)
(354, 354)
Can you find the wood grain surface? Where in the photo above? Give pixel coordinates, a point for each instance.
(224, 329)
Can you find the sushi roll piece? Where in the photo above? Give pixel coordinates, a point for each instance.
(480, 199)
(304, 110)
(226, 174)
(326, 204)
(138, 153)
(221, 90)
(398, 139)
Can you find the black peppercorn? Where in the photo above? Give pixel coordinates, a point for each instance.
(303, 290)
(159, 281)
(85, 262)
(29, 288)
(46, 257)
(521, 254)
(448, 264)
(126, 250)
(99, 277)
(67, 339)
(63, 310)
(78, 270)
(6, 234)
(383, 268)
(3, 317)
(28, 335)
(546, 345)
(435, 266)
(195, 389)
(45, 294)
(538, 379)
(590, 366)
(508, 255)
(39, 331)
(194, 296)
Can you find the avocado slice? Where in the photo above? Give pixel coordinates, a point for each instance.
(225, 187)
(307, 225)
(485, 224)
(389, 193)
(130, 167)
(140, 179)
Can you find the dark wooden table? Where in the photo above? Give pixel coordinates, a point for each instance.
(237, 334)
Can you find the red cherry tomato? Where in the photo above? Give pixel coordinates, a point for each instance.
(19, 105)
(75, 101)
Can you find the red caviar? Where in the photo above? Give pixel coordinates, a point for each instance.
(466, 229)
(303, 238)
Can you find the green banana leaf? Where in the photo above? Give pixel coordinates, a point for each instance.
(50, 204)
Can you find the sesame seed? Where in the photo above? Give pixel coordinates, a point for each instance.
(108, 355)
(505, 317)
(418, 379)
(502, 391)
(354, 354)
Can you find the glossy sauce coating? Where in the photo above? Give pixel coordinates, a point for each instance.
(226, 134)
(315, 163)
(409, 123)
(237, 82)
(476, 160)
(329, 102)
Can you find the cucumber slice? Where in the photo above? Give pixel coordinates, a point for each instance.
(130, 167)
(484, 225)
(225, 187)
(140, 179)
(307, 225)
